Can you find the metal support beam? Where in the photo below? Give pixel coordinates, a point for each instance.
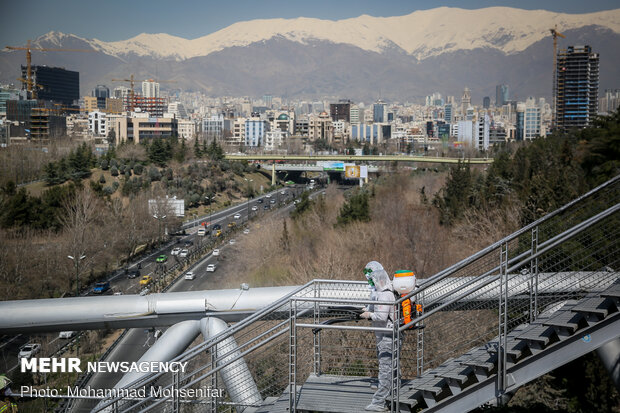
(236, 376)
(609, 354)
(537, 365)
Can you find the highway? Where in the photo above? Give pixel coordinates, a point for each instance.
(137, 341)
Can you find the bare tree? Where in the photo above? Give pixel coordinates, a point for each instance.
(81, 222)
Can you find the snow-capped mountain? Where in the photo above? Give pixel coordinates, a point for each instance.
(421, 34)
(402, 57)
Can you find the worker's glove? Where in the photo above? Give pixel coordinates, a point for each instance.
(366, 314)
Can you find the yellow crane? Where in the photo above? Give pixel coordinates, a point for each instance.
(30, 86)
(555, 34)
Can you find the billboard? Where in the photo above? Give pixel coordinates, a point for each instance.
(332, 166)
(352, 171)
(168, 205)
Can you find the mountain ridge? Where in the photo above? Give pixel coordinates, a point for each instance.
(422, 34)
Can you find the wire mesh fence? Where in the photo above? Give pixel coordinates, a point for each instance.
(563, 256)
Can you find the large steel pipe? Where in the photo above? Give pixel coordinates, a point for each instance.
(128, 311)
(237, 377)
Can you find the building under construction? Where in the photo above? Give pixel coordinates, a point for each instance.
(577, 87)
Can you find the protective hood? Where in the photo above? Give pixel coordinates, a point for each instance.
(379, 277)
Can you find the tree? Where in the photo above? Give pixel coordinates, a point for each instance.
(197, 150)
(305, 203)
(284, 239)
(355, 209)
(80, 220)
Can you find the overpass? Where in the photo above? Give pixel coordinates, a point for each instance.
(356, 158)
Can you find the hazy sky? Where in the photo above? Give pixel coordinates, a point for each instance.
(112, 20)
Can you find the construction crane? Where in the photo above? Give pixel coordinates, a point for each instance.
(555, 34)
(132, 82)
(30, 86)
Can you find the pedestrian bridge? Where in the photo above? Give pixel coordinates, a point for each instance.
(531, 302)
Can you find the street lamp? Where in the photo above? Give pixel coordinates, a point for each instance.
(210, 200)
(77, 292)
(249, 193)
(159, 218)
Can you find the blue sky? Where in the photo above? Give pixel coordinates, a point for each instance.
(112, 20)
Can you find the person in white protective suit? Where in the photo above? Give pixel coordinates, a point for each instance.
(381, 316)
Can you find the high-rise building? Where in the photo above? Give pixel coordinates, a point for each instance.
(520, 122)
(340, 111)
(531, 120)
(150, 89)
(101, 92)
(501, 95)
(576, 87)
(379, 112)
(55, 84)
(609, 102)
(447, 113)
(486, 102)
(356, 115)
(465, 100)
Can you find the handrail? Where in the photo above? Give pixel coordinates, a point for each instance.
(552, 243)
(463, 263)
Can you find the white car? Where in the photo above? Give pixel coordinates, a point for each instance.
(246, 231)
(28, 350)
(232, 241)
(183, 253)
(67, 334)
(216, 252)
(237, 216)
(211, 267)
(190, 275)
(268, 196)
(175, 251)
(254, 208)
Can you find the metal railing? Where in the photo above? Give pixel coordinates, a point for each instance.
(565, 255)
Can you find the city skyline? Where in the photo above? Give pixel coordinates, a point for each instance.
(114, 21)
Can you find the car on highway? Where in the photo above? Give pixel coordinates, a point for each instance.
(201, 232)
(67, 334)
(254, 208)
(161, 259)
(188, 243)
(260, 201)
(28, 350)
(266, 207)
(175, 251)
(246, 231)
(232, 241)
(282, 192)
(184, 253)
(237, 216)
(273, 201)
(101, 287)
(217, 226)
(218, 232)
(133, 273)
(146, 280)
(118, 293)
(216, 252)
(268, 196)
(190, 275)
(211, 267)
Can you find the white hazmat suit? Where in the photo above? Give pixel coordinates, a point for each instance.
(381, 316)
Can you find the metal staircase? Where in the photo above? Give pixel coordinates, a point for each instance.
(521, 307)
